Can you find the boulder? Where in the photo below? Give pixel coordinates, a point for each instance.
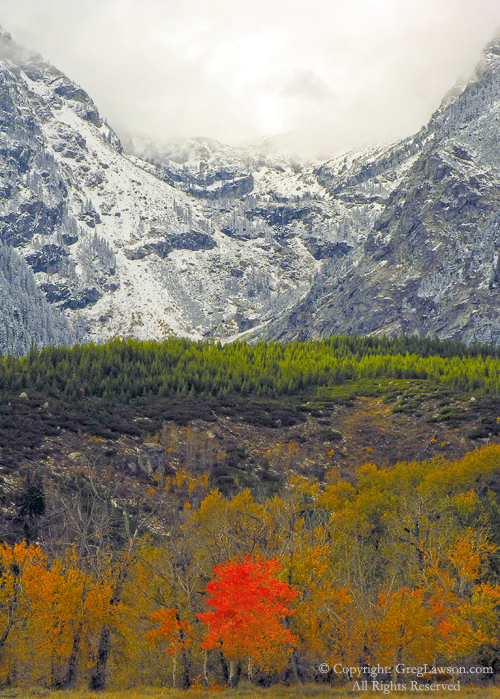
(151, 459)
(47, 259)
(78, 458)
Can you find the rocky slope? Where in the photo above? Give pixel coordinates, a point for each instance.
(203, 240)
(197, 246)
(429, 264)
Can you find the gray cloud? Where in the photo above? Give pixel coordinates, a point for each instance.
(307, 85)
(335, 74)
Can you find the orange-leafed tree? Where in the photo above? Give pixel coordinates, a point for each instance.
(405, 632)
(466, 609)
(20, 567)
(177, 634)
(249, 605)
(68, 607)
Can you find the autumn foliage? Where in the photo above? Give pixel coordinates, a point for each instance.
(249, 606)
(400, 566)
(169, 628)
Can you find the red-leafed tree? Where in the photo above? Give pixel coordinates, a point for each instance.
(249, 603)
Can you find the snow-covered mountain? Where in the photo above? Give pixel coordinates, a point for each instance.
(430, 264)
(194, 238)
(203, 240)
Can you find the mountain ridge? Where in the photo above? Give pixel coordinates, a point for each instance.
(203, 240)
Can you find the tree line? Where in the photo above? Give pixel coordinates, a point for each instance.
(123, 370)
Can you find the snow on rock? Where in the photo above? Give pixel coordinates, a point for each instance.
(195, 238)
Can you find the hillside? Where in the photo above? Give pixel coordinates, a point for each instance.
(250, 413)
(429, 263)
(137, 478)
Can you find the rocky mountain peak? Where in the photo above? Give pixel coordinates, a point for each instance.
(5, 36)
(493, 48)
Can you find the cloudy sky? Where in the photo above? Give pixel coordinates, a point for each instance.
(334, 74)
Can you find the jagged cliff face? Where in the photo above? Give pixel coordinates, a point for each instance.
(195, 239)
(430, 262)
(203, 240)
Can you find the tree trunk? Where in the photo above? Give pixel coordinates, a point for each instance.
(293, 657)
(98, 676)
(186, 679)
(72, 671)
(234, 674)
(231, 674)
(205, 669)
(295, 670)
(225, 673)
(11, 606)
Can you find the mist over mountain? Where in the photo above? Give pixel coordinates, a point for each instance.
(195, 238)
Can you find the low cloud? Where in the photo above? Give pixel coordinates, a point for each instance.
(336, 75)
